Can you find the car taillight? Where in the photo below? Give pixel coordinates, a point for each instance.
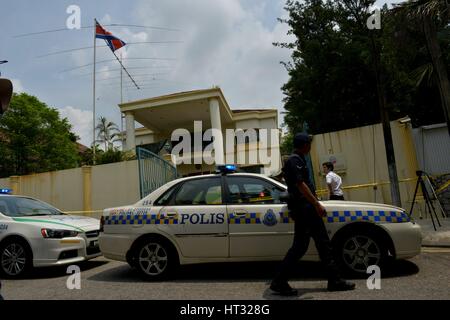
(102, 223)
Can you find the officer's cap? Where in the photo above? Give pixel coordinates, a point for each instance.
(301, 139)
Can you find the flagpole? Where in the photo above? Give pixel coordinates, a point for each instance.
(93, 104)
(121, 101)
(109, 39)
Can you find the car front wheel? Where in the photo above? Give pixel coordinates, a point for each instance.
(357, 251)
(15, 259)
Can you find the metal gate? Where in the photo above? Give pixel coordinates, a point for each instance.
(433, 148)
(153, 171)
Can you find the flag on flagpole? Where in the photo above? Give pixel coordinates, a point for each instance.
(113, 42)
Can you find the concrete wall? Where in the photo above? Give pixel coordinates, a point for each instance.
(267, 123)
(115, 184)
(145, 137)
(366, 175)
(84, 190)
(63, 189)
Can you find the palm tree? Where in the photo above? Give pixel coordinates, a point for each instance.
(108, 132)
(432, 15)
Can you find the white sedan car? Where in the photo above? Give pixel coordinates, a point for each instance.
(242, 217)
(35, 234)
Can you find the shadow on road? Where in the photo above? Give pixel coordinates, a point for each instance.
(247, 271)
(59, 271)
(400, 268)
(303, 294)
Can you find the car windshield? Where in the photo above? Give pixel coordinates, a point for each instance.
(26, 207)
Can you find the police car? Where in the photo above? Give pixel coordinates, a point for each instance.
(35, 234)
(244, 217)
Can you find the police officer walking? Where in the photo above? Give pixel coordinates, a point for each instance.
(6, 90)
(307, 213)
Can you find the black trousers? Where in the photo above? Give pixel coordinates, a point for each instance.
(308, 225)
(334, 197)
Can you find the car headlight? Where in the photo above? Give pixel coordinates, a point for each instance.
(58, 234)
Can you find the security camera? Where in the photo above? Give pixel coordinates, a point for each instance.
(405, 120)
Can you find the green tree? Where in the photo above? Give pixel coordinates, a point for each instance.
(432, 16)
(339, 67)
(34, 139)
(332, 84)
(108, 133)
(104, 157)
(114, 155)
(412, 83)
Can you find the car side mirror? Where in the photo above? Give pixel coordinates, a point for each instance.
(284, 197)
(6, 90)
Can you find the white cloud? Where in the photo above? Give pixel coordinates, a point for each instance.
(225, 43)
(81, 122)
(17, 86)
(106, 19)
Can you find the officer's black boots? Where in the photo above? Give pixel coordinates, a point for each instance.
(340, 285)
(283, 289)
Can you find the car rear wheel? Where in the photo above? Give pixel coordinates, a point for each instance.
(154, 259)
(15, 259)
(359, 250)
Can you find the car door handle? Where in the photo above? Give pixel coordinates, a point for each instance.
(171, 214)
(240, 213)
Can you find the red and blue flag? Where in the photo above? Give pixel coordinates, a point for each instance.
(113, 42)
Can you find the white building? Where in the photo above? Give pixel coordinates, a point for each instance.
(161, 116)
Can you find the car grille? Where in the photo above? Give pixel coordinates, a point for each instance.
(92, 234)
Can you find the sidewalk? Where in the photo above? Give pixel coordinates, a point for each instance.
(431, 238)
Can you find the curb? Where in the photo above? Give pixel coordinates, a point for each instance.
(435, 245)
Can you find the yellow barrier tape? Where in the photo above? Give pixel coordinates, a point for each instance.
(319, 192)
(366, 185)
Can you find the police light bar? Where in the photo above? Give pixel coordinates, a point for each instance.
(229, 168)
(5, 191)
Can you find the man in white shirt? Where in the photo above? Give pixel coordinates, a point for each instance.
(334, 182)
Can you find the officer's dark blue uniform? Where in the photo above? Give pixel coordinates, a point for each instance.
(308, 224)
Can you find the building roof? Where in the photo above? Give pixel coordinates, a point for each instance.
(251, 110)
(81, 148)
(182, 109)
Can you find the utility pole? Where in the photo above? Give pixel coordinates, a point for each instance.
(389, 145)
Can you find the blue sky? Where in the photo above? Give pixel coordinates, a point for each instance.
(221, 42)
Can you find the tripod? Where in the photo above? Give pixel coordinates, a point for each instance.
(428, 200)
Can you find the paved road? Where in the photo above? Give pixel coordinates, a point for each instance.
(425, 277)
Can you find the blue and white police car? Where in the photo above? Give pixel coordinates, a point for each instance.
(243, 217)
(35, 234)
